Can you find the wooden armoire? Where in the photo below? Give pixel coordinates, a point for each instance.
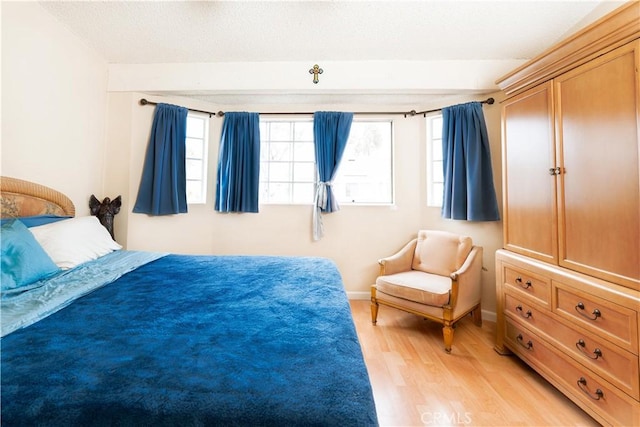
(568, 276)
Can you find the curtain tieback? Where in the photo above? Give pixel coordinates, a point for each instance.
(322, 197)
(321, 203)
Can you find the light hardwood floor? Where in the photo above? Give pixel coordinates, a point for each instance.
(415, 383)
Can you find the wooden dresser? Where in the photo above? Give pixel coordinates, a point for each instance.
(568, 278)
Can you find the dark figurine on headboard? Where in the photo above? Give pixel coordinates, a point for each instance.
(105, 211)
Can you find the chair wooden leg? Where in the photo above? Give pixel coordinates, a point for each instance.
(447, 332)
(477, 316)
(374, 306)
(374, 311)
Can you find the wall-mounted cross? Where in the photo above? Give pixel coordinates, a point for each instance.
(316, 70)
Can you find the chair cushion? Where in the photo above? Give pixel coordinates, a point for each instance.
(440, 252)
(418, 286)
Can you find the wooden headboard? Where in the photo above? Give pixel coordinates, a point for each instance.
(19, 198)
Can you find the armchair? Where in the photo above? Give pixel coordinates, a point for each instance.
(437, 276)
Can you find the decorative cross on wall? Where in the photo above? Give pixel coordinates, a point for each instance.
(316, 70)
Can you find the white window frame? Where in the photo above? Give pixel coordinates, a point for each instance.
(435, 179)
(264, 165)
(202, 157)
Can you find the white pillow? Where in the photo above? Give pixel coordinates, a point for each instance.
(75, 240)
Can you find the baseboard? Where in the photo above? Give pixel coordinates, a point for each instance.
(489, 316)
(359, 295)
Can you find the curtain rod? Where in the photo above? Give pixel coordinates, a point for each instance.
(408, 113)
(489, 101)
(145, 102)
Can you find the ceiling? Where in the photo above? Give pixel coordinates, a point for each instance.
(149, 32)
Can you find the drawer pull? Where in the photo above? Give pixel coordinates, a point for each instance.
(525, 315)
(526, 285)
(582, 383)
(582, 347)
(528, 345)
(580, 309)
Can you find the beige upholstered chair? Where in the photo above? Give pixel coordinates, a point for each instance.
(436, 276)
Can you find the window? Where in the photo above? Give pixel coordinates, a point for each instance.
(196, 157)
(435, 174)
(365, 174)
(288, 171)
(287, 162)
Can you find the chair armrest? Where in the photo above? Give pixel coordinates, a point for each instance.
(467, 281)
(468, 263)
(400, 261)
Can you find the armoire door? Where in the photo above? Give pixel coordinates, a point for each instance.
(599, 187)
(529, 192)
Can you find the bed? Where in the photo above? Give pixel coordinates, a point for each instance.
(142, 338)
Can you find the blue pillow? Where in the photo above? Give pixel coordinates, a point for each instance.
(23, 259)
(34, 221)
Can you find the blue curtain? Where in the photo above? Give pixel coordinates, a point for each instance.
(469, 193)
(238, 177)
(163, 184)
(330, 134)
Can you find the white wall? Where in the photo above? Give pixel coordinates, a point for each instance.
(355, 237)
(362, 77)
(54, 95)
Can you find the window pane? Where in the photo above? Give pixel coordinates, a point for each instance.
(194, 191)
(437, 195)
(436, 127)
(436, 172)
(194, 169)
(280, 151)
(436, 150)
(264, 150)
(369, 192)
(280, 172)
(279, 193)
(263, 196)
(304, 152)
(264, 131)
(304, 172)
(303, 131)
(435, 165)
(195, 127)
(280, 131)
(303, 193)
(194, 148)
(264, 172)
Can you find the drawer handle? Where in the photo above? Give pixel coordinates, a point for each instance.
(582, 383)
(580, 309)
(582, 347)
(526, 315)
(527, 284)
(528, 345)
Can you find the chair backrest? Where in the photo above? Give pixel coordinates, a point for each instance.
(440, 252)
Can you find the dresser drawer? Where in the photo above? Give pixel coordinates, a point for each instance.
(587, 389)
(615, 323)
(535, 286)
(614, 364)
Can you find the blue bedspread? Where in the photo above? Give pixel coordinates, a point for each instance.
(195, 340)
